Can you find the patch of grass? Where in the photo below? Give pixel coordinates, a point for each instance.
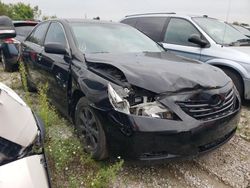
(69, 165)
(106, 175)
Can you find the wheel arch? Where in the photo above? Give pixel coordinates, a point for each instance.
(234, 67)
(76, 95)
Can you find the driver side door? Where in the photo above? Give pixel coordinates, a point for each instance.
(176, 38)
(57, 67)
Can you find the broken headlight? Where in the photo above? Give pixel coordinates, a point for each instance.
(117, 102)
(152, 109)
(145, 108)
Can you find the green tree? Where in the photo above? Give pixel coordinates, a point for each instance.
(4, 9)
(20, 11)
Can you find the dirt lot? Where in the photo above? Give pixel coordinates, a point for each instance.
(228, 166)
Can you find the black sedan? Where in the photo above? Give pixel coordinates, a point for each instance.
(126, 95)
(9, 47)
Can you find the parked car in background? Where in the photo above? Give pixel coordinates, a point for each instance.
(242, 29)
(10, 47)
(126, 95)
(202, 38)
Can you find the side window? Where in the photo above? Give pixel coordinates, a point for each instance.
(38, 34)
(129, 21)
(56, 34)
(178, 32)
(151, 26)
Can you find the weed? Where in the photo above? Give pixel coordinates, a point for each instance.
(23, 75)
(45, 110)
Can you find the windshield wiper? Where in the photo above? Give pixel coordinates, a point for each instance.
(243, 40)
(240, 42)
(101, 52)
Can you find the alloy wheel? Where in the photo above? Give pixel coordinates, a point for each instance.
(88, 129)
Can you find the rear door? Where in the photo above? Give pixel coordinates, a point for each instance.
(57, 67)
(32, 49)
(176, 38)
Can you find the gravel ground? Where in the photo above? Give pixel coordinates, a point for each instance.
(228, 166)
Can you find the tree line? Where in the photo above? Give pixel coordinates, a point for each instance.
(22, 11)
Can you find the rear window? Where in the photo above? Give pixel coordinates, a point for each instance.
(23, 30)
(151, 26)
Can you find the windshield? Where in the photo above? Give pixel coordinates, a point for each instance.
(219, 31)
(242, 30)
(111, 38)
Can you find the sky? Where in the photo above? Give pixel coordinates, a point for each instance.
(228, 10)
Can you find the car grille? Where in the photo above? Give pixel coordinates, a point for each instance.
(204, 110)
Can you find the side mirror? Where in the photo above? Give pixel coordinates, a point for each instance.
(55, 48)
(196, 39)
(7, 29)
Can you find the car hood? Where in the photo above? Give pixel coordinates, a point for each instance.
(243, 49)
(162, 72)
(238, 53)
(26, 172)
(17, 123)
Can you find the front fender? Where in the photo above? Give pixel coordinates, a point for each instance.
(231, 64)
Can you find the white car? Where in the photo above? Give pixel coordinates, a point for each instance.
(20, 131)
(22, 158)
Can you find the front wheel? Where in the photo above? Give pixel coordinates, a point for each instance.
(90, 131)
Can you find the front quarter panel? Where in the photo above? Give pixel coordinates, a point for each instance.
(93, 86)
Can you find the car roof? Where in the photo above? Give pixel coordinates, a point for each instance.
(165, 14)
(77, 20)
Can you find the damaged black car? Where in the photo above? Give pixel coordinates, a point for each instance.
(126, 95)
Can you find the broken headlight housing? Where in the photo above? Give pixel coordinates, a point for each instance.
(149, 109)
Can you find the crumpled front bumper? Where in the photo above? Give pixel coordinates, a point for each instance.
(147, 138)
(153, 139)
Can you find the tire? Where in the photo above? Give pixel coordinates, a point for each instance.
(237, 80)
(90, 130)
(30, 85)
(6, 66)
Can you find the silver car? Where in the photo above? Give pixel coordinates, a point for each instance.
(202, 38)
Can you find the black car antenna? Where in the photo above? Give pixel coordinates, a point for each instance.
(227, 17)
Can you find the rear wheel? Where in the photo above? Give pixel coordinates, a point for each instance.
(27, 83)
(237, 80)
(90, 131)
(6, 66)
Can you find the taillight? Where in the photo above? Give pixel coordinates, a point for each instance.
(11, 41)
